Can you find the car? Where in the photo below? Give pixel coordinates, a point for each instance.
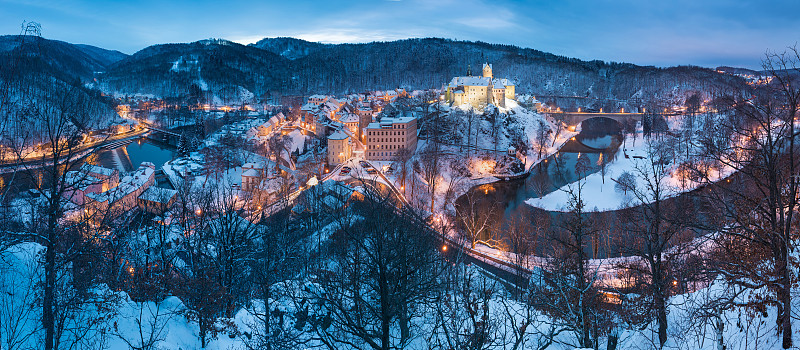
(364, 164)
(372, 171)
(345, 171)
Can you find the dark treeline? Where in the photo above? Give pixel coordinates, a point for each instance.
(411, 64)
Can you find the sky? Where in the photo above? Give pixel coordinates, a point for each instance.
(706, 33)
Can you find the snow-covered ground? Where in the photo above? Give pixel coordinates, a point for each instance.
(126, 323)
(598, 189)
(480, 166)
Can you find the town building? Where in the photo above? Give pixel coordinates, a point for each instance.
(481, 90)
(340, 148)
(264, 129)
(252, 174)
(351, 121)
(317, 99)
(89, 179)
(386, 96)
(316, 117)
(157, 200)
(365, 116)
(385, 138)
(123, 197)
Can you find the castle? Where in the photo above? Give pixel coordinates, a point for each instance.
(478, 91)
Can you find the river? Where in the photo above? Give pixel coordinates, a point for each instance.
(504, 201)
(129, 157)
(125, 158)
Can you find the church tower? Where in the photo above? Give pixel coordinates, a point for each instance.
(487, 70)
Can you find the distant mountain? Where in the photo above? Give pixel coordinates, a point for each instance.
(38, 75)
(755, 73)
(292, 66)
(103, 56)
(738, 71)
(229, 70)
(61, 59)
(290, 48)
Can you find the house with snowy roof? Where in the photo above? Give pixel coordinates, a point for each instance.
(479, 90)
(265, 128)
(157, 200)
(308, 115)
(351, 122)
(340, 148)
(123, 197)
(87, 179)
(317, 99)
(252, 174)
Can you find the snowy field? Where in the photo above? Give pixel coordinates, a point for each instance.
(598, 189)
(166, 325)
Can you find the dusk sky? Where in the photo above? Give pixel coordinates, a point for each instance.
(700, 32)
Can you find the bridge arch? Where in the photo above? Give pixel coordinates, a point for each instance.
(619, 122)
(574, 119)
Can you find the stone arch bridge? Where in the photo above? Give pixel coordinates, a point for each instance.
(575, 118)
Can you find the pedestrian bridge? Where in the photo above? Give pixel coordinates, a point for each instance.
(575, 118)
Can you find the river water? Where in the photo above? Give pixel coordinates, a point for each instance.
(129, 157)
(505, 201)
(125, 158)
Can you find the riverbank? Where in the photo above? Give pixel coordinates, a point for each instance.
(599, 192)
(37, 159)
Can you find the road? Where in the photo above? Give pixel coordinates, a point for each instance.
(37, 159)
(504, 270)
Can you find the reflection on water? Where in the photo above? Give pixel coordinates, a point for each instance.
(506, 200)
(124, 158)
(549, 175)
(599, 142)
(130, 156)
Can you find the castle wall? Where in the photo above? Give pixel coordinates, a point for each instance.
(510, 93)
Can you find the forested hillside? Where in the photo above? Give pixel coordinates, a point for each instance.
(293, 66)
(209, 65)
(41, 77)
(63, 60)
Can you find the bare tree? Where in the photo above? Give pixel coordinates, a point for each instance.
(464, 316)
(625, 182)
(759, 203)
(47, 151)
(19, 317)
(654, 231)
(476, 219)
(150, 321)
(276, 265)
(565, 288)
(401, 158)
(384, 268)
(542, 137)
(232, 239)
(431, 161)
(199, 285)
